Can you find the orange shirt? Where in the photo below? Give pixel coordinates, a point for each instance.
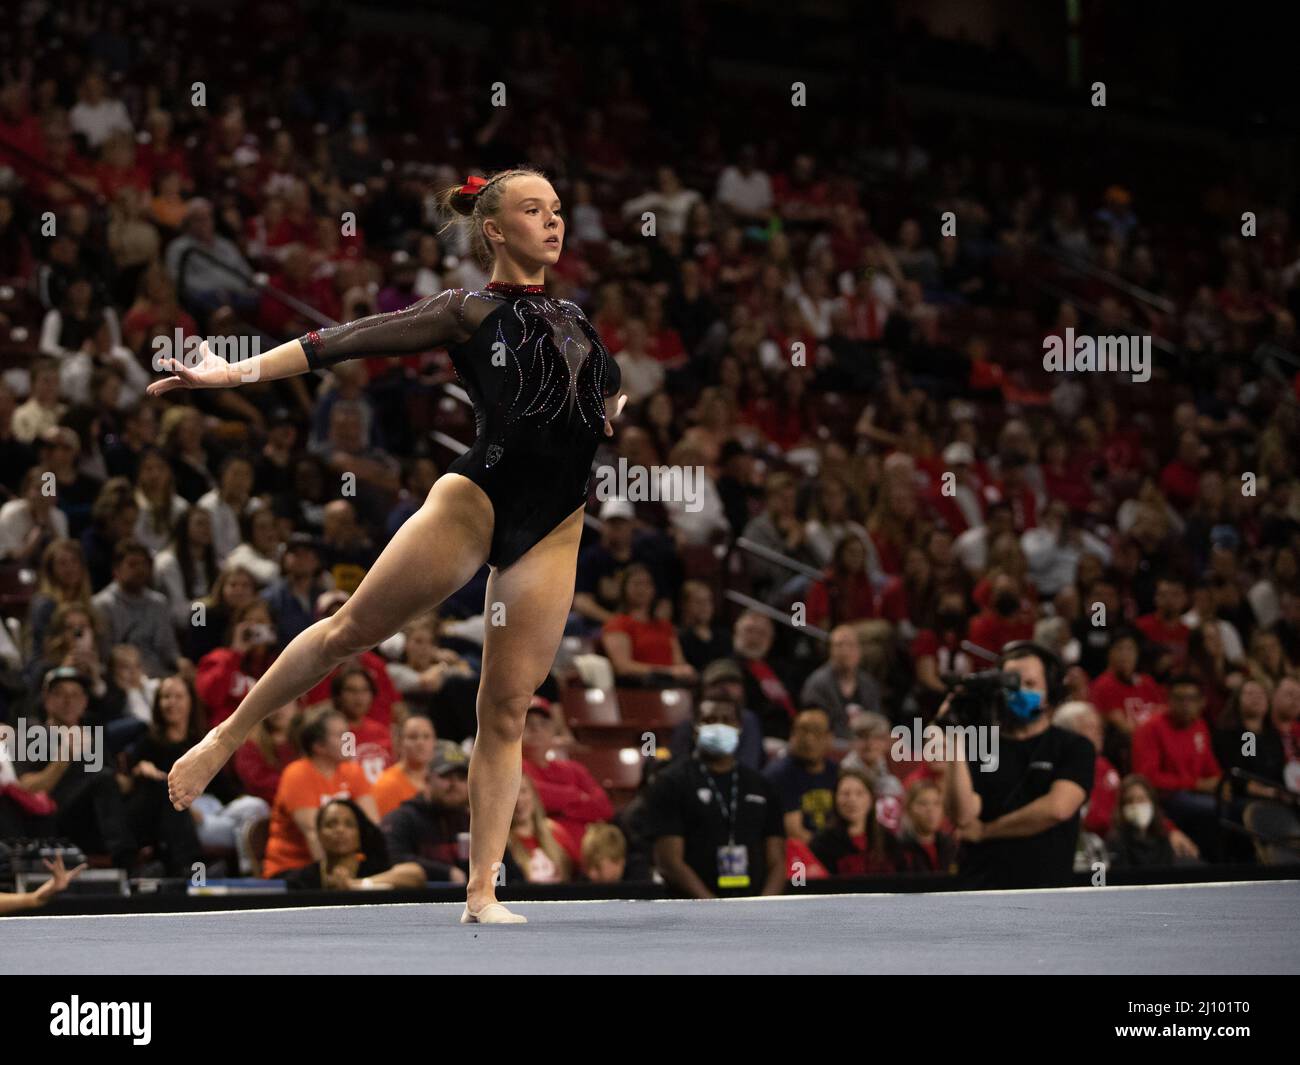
(303, 786)
(392, 789)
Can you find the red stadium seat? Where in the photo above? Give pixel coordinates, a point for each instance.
(598, 720)
(616, 769)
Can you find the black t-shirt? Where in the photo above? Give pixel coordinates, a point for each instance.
(162, 753)
(1268, 761)
(699, 652)
(600, 573)
(1094, 645)
(1026, 771)
(308, 877)
(681, 803)
(812, 794)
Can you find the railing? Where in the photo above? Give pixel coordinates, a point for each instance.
(292, 302)
(778, 616)
(744, 543)
(1079, 265)
(82, 191)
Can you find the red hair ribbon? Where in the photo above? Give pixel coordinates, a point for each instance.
(473, 186)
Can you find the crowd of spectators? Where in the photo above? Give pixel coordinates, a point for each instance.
(861, 391)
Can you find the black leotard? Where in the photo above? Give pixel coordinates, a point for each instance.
(537, 374)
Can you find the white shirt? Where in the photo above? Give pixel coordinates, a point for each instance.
(168, 579)
(670, 212)
(1233, 649)
(427, 283)
(642, 376)
(75, 371)
(16, 522)
(31, 419)
(750, 194)
(696, 526)
(587, 224)
(153, 538)
(1052, 565)
(225, 524)
(96, 122)
(264, 570)
(972, 547)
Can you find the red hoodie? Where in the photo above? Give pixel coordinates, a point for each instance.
(1173, 758)
(221, 681)
(572, 798)
(1135, 700)
(260, 777)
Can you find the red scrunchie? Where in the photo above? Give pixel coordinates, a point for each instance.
(473, 186)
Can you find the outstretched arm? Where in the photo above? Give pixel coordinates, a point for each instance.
(427, 323)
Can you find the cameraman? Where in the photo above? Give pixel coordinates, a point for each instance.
(1019, 823)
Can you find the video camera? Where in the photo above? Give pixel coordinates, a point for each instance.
(982, 698)
(994, 696)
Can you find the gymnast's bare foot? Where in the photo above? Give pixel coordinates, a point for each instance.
(196, 768)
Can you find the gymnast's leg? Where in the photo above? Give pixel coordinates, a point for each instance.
(438, 549)
(536, 593)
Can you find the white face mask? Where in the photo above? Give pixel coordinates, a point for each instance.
(1139, 814)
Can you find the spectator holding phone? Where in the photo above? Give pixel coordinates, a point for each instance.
(226, 674)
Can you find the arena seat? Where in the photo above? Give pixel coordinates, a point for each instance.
(603, 722)
(615, 770)
(17, 586)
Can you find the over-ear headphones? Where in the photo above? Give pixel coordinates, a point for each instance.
(1053, 667)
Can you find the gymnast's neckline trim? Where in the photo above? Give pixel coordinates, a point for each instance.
(509, 288)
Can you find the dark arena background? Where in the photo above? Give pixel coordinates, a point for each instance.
(942, 326)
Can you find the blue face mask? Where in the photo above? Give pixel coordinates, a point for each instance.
(718, 739)
(1025, 704)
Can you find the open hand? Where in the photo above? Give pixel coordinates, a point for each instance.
(211, 371)
(60, 878)
(622, 401)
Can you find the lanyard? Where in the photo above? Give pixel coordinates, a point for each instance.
(729, 812)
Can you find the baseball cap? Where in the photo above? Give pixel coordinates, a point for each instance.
(446, 765)
(302, 539)
(617, 508)
(62, 673)
(721, 669)
(1225, 537)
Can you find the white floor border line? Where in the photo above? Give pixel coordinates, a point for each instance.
(596, 902)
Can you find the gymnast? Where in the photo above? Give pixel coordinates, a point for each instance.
(538, 376)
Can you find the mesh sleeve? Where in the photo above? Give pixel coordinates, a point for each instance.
(613, 376)
(429, 323)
